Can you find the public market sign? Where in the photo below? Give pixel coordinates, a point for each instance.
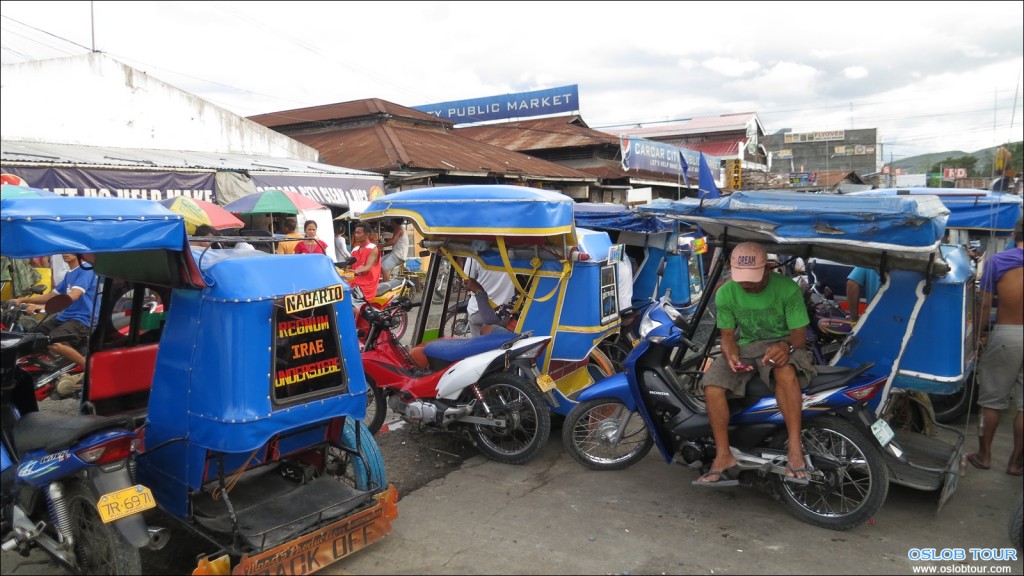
(507, 106)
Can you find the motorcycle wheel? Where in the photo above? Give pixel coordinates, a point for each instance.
(950, 407)
(587, 430)
(403, 323)
(99, 548)
(359, 464)
(526, 413)
(850, 479)
(457, 323)
(616, 350)
(376, 407)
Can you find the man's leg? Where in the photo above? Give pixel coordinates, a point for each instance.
(989, 423)
(718, 415)
(475, 324)
(790, 399)
(1016, 465)
(68, 352)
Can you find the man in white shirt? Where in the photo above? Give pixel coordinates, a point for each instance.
(496, 284)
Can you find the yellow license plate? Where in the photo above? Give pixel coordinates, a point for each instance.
(125, 502)
(545, 382)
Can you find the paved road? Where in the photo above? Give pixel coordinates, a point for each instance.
(552, 516)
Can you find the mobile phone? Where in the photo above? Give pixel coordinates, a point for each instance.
(740, 366)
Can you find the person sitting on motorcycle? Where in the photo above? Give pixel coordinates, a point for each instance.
(769, 311)
(861, 281)
(490, 321)
(77, 319)
(366, 268)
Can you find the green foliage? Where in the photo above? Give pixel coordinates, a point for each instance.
(980, 167)
(967, 161)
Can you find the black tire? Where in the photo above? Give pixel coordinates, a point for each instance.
(586, 432)
(950, 407)
(1017, 524)
(850, 479)
(376, 407)
(403, 323)
(99, 548)
(616, 350)
(521, 404)
(358, 462)
(456, 324)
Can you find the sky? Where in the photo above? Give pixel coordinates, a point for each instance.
(930, 76)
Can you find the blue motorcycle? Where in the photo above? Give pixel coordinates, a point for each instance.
(66, 484)
(619, 419)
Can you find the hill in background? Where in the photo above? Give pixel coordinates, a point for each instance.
(921, 164)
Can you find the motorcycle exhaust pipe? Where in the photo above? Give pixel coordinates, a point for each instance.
(158, 538)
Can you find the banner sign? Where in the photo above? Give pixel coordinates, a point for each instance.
(334, 190)
(803, 178)
(109, 182)
(640, 154)
(506, 106)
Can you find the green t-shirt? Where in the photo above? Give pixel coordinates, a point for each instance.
(767, 315)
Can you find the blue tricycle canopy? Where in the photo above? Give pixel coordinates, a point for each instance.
(618, 217)
(903, 231)
(968, 208)
(480, 211)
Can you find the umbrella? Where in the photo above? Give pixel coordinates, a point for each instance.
(199, 212)
(12, 191)
(272, 202)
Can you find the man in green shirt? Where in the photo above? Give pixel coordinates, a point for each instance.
(763, 323)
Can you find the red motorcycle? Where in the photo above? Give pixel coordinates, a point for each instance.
(483, 387)
(43, 368)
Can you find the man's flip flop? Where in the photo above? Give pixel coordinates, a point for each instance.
(793, 479)
(975, 461)
(724, 479)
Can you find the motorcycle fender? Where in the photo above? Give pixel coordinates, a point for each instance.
(615, 386)
(465, 372)
(133, 528)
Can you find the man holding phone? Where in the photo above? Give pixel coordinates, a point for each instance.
(763, 323)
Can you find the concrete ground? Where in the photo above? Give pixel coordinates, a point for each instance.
(552, 516)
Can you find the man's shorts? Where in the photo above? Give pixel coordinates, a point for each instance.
(1000, 371)
(390, 261)
(53, 328)
(720, 374)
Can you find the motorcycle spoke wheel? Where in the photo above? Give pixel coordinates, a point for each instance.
(99, 548)
(850, 479)
(456, 324)
(358, 461)
(403, 322)
(589, 431)
(527, 419)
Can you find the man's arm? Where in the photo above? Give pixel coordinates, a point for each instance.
(370, 261)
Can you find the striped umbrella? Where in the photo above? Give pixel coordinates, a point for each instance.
(272, 202)
(200, 212)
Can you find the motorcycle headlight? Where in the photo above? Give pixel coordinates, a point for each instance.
(648, 324)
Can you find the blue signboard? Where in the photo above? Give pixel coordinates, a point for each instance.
(505, 106)
(640, 154)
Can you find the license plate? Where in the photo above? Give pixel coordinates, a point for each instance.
(545, 382)
(882, 431)
(125, 502)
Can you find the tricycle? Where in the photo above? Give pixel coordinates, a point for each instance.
(916, 333)
(564, 277)
(234, 374)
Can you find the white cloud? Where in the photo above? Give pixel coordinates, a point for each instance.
(855, 72)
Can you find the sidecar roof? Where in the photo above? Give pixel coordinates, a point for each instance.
(480, 211)
(969, 208)
(905, 231)
(137, 240)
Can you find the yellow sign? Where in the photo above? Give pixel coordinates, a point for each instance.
(305, 300)
(126, 502)
(734, 171)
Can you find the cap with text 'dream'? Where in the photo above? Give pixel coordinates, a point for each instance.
(748, 262)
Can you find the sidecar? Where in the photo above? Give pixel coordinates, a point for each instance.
(242, 371)
(564, 275)
(916, 332)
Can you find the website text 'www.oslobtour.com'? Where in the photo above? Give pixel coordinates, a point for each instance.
(951, 560)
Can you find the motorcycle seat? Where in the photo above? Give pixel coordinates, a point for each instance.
(828, 377)
(389, 285)
(53, 431)
(455, 349)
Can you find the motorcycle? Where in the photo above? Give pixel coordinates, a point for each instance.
(618, 420)
(830, 324)
(482, 387)
(43, 369)
(387, 291)
(67, 483)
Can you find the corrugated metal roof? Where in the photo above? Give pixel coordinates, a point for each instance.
(384, 138)
(540, 134)
(50, 153)
(369, 107)
(707, 124)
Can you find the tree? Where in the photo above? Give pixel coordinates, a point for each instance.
(961, 162)
(1017, 163)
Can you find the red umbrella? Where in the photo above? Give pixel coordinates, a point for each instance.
(198, 212)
